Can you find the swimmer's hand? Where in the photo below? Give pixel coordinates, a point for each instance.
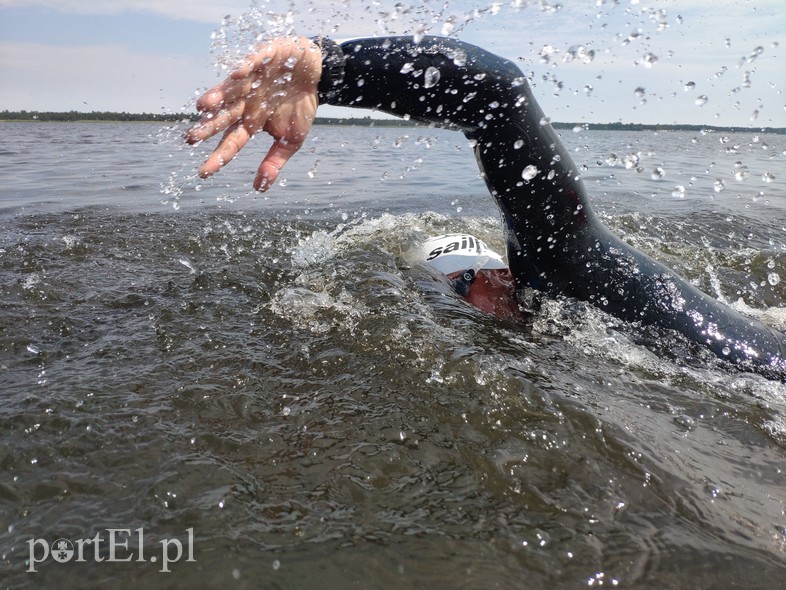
(275, 90)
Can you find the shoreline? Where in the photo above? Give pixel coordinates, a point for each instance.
(74, 117)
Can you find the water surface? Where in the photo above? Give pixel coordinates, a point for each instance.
(276, 373)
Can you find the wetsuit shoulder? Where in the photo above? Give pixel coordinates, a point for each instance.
(556, 243)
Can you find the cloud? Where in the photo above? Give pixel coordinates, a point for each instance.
(342, 17)
(643, 56)
(209, 11)
(109, 77)
(693, 40)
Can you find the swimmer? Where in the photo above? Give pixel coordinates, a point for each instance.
(555, 243)
(476, 272)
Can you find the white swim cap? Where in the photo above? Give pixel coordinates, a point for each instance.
(456, 252)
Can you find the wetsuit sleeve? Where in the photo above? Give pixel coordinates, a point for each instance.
(333, 63)
(555, 242)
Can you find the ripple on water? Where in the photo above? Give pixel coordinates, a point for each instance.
(301, 390)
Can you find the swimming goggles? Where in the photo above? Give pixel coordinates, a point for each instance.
(463, 282)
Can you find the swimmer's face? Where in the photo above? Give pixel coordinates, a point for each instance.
(493, 291)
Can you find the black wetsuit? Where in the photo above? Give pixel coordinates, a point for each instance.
(556, 243)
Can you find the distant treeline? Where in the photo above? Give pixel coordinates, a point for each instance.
(91, 116)
(665, 127)
(352, 121)
(172, 117)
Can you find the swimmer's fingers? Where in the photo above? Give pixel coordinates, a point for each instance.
(233, 141)
(256, 63)
(278, 155)
(226, 103)
(214, 122)
(253, 76)
(275, 89)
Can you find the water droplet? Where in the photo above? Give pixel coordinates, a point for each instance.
(685, 421)
(658, 173)
(407, 68)
(773, 278)
(431, 77)
(768, 177)
(448, 26)
(518, 144)
(701, 101)
(578, 52)
(459, 57)
(276, 564)
(718, 185)
(32, 348)
(713, 490)
(546, 52)
(286, 411)
(649, 59)
(529, 172)
(188, 265)
(689, 86)
(640, 92)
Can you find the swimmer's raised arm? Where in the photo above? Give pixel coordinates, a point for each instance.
(274, 90)
(556, 244)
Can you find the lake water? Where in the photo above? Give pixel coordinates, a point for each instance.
(272, 382)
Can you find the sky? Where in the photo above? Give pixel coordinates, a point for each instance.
(704, 62)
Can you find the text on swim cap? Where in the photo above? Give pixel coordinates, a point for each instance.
(466, 243)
